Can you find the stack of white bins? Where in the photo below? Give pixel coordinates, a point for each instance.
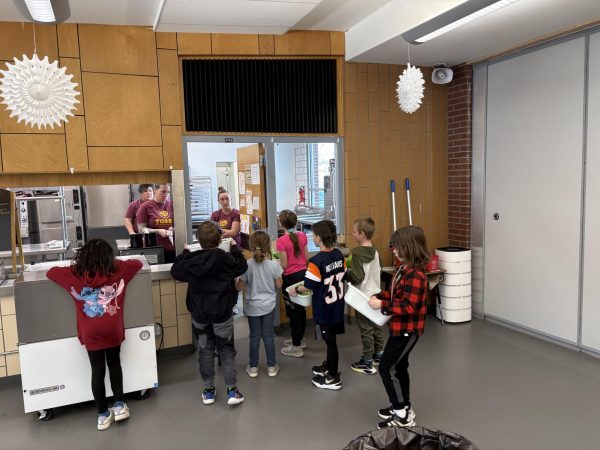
(455, 289)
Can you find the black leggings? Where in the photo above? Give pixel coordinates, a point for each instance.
(295, 313)
(395, 356)
(99, 359)
(333, 355)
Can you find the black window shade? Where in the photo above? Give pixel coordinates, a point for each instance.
(260, 95)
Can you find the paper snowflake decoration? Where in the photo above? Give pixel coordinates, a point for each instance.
(38, 92)
(410, 89)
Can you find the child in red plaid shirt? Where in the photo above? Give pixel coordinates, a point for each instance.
(406, 302)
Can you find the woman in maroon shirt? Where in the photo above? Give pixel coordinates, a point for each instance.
(227, 218)
(156, 216)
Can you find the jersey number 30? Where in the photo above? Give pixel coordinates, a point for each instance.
(335, 287)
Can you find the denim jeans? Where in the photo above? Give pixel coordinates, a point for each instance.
(262, 327)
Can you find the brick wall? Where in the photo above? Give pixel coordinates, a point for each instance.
(459, 156)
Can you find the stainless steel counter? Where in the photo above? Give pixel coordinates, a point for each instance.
(39, 250)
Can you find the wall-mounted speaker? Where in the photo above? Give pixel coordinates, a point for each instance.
(441, 74)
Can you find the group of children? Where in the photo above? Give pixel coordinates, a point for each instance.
(214, 278)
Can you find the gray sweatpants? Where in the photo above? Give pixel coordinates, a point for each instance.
(217, 336)
(371, 336)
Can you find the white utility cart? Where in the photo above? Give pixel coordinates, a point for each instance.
(55, 369)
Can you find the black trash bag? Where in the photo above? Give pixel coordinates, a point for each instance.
(410, 438)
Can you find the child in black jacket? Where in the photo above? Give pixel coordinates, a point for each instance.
(210, 274)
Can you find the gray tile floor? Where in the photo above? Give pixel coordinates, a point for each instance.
(500, 388)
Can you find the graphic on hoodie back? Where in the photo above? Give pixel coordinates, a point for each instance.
(98, 301)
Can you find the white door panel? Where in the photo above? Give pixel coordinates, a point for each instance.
(533, 182)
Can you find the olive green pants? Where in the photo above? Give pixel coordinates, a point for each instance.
(371, 336)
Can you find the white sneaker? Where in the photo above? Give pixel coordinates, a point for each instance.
(121, 411)
(252, 371)
(105, 421)
(296, 352)
(273, 371)
(289, 343)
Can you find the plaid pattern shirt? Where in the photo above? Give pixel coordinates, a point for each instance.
(406, 301)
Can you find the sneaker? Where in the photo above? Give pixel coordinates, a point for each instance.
(320, 370)
(121, 411)
(363, 366)
(252, 371)
(386, 413)
(208, 396)
(234, 397)
(289, 343)
(296, 352)
(105, 419)
(273, 371)
(377, 358)
(328, 382)
(396, 421)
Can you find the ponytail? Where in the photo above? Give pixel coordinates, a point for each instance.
(260, 244)
(294, 238)
(289, 220)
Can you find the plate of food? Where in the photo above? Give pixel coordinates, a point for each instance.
(304, 297)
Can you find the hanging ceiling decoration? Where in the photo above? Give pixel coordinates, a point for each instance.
(38, 92)
(410, 89)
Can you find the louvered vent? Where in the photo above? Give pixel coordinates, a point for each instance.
(260, 95)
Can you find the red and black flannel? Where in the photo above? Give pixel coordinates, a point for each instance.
(407, 304)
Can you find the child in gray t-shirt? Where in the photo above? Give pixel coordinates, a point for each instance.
(261, 282)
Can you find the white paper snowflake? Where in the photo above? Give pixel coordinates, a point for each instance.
(410, 89)
(38, 92)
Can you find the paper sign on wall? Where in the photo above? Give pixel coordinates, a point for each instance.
(245, 223)
(241, 182)
(249, 208)
(255, 173)
(256, 203)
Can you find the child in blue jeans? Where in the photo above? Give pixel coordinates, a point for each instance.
(261, 281)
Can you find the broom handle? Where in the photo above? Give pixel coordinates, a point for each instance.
(393, 186)
(407, 187)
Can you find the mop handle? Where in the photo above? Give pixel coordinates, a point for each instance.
(407, 187)
(393, 186)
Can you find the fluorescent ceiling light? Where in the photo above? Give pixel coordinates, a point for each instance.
(453, 18)
(44, 11)
(40, 10)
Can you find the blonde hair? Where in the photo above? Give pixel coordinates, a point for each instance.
(260, 244)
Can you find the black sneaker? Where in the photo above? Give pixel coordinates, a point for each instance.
(363, 366)
(320, 370)
(396, 421)
(327, 382)
(386, 413)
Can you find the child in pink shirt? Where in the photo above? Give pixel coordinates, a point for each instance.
(292, 247)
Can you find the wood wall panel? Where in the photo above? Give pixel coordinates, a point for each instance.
(68, 40)
(266, 44)
(23, 153)
(303, 43)
(383, 143)
(16, 40)
(82, 178)
(168, 82)
(77, 157)
(166, 40)
(338, 43)
(194, 44)
(117, 49)
(234, 44)
(73, 68)
(121, 110)
(172, 147)
(120, 159)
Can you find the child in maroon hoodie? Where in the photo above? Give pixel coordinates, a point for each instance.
(96, 282)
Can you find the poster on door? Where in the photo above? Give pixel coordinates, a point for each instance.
(249, 209)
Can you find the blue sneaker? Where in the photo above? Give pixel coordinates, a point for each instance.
(234, 397)
(208, 396)
(377, 358)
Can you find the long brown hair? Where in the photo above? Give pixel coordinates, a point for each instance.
(411, 245)
(260, 244)
(289, 220)
(95, 257)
